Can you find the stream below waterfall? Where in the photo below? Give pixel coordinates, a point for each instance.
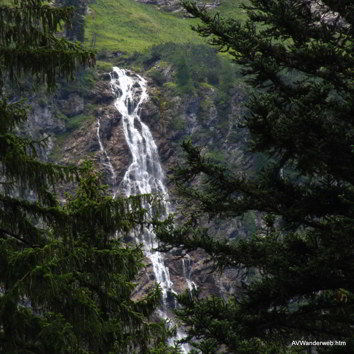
(144, 175)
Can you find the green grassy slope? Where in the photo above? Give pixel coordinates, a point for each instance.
(231, 8)
(128, 26)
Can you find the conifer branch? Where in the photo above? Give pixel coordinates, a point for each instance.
(18, 238)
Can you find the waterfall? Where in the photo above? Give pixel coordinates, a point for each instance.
(145, 174)
(186, 268)
(104, 152)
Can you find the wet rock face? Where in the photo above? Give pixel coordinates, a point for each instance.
(83, 144)
(72, 105)
(113, 140)
(110, 118)
(189, 271)
(43, 124)
(42, 121)
(102, 93)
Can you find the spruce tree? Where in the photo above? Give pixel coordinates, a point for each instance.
(298, 56)
(66, 278)
(75, 30)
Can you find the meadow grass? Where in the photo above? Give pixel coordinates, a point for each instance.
(128, 26)
(231, 9)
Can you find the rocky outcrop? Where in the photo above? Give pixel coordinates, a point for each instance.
(42, 124)
(175, 5)
(83, 143)
(102, 92)
(71, 105)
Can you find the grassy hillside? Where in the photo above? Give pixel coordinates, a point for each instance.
(128, 26)
(124, 25)
(231, 8)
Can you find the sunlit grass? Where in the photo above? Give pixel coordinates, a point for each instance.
(127, 26)
(231, 9)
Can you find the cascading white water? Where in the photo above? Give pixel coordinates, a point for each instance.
(186, 268)
(145, 174)
(104, 152)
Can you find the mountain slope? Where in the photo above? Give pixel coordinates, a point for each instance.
(128, 26)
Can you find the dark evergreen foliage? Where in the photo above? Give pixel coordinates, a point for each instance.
(299, 57)
(75, 30)
(66, 277)
(28, 43)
